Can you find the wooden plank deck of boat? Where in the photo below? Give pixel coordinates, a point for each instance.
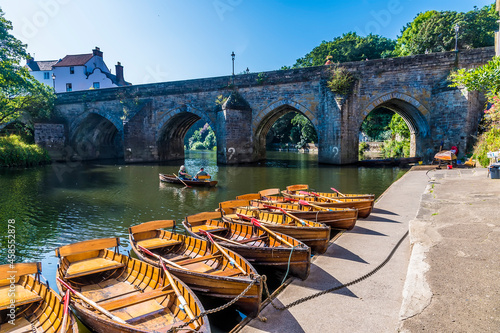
(376, 300)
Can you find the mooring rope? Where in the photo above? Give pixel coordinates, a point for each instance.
(307, 298)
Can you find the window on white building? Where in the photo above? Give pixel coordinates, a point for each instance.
(96, 85)
(46, 75)
(69, 87)
(72, 70)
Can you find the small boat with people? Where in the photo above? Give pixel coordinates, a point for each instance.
(314, 234)
(114, 293)
(29, 305)
(220, 273)
(199, 182)
(261, 246)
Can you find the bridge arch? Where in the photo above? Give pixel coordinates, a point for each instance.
(414, 113)
(265, 119)
(94, 136)
(172, 128)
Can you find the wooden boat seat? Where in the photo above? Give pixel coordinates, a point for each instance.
(21, 325)
(155, 243)
(227, 272)
(201, 177)
(211, 228)
(116, 304)
(23, 296)
(91, 266)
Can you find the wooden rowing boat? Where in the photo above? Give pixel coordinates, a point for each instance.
(174, 180)
(28, 305)
(335, 218)
(363, 205)
(314, 234)
(199, 264)
(304, 187)
(134, 291)
(259, 247)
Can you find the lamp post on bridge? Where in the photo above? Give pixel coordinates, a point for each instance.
(457, 28)
(232, 57)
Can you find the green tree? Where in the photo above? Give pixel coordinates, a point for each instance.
(376, 124)
(485, 79)
(22, 97)
(348, 47)
(433, 31)
(399, 144)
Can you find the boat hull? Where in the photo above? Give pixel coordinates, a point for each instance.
(335, 219)
(316, 238)
(174, 180)
(296, 260)
(223, 287)
(132, 290)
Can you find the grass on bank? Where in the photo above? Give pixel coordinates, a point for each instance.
(14, 152)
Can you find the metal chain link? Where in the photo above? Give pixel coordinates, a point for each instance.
(304, 299)
(214, 310)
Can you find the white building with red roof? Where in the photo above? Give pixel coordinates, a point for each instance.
(77, 72)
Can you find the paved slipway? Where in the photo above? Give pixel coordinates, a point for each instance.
(445, 277)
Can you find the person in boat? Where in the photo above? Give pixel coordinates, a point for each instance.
(202, 172)
(183, 174)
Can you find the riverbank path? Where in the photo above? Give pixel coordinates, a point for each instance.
(428, 274)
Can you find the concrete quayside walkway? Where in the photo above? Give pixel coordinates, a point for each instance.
(445, 280)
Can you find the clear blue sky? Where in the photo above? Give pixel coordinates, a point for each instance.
(165, 40)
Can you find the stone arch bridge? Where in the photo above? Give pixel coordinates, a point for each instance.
(144, 123)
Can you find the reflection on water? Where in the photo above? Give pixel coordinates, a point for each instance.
(96, 200)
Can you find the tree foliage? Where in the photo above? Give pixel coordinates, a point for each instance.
(22, 97)
(376, 124)
(433, 31)
(292, 128)
(485, 79)
(348, 47)
(200, 138)
(399, 143)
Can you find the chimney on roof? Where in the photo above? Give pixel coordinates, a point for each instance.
(97, 52)
(29, 59)
(119, 74)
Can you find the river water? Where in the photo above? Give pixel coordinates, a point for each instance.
(64, 203)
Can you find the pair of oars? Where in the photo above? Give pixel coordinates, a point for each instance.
(91, 303)
(65, 312)
(258, 224)
(224, 253)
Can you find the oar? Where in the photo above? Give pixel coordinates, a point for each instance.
(92, 303)
(181, 180)
(306, 203)
(143, 249)
(287, 214)
(256, 223)
(183, 304)
(333, 188)
(65, 313)
(231, 260)
(319, 196)
(227, 240)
